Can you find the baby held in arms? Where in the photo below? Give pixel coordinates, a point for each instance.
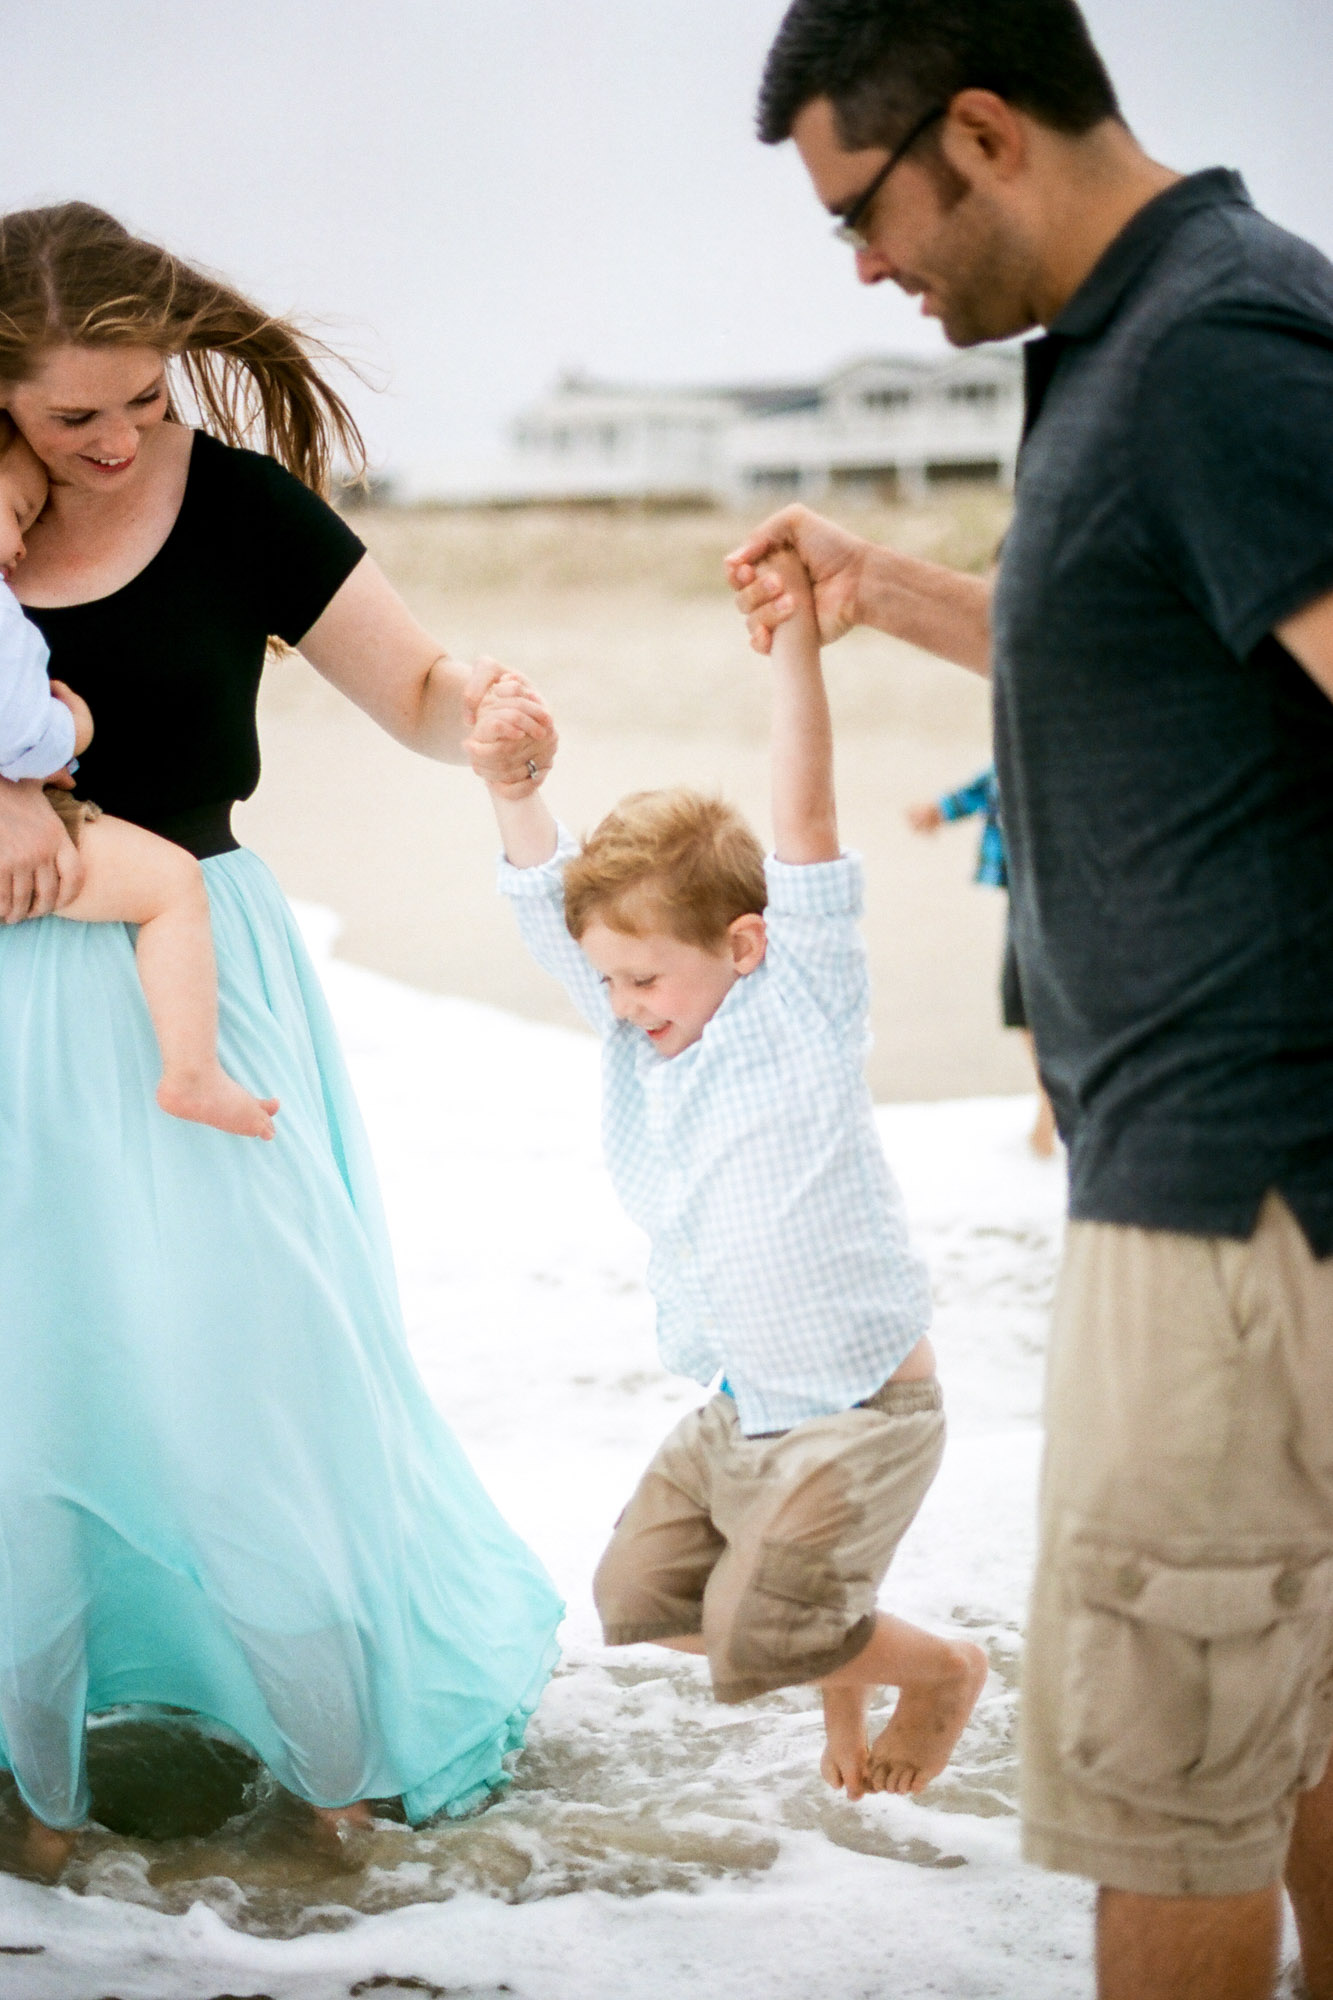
(731, 996)
(130, 876)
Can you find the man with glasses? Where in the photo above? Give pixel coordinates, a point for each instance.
(1161, 639)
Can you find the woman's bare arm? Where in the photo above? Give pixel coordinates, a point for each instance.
(368, 644)
(857, 582)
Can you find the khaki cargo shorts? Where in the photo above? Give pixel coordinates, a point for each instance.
(1178, 1683)
(772, 1547)
(74, 814)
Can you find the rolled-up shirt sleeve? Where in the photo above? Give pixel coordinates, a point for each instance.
(36, 730)
(813, 934)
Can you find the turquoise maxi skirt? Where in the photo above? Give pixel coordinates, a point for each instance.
(223, 1487)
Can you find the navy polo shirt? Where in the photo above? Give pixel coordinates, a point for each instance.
(1166, 766)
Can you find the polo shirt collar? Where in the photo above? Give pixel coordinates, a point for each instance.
(1115, 271)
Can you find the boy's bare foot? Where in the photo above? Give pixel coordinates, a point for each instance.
(45, 1850)
(211, 1097)
(843, 1764)
(919, 1738)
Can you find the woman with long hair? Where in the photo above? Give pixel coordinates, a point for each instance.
(223, 1487)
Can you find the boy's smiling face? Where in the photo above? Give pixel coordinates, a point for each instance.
(665, 986)
(23, 490)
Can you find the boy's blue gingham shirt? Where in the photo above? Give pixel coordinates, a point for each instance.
(780, 1252)
(982, 796)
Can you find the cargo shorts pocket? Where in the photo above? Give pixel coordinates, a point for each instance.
(796, 1605)
(1195, 1689)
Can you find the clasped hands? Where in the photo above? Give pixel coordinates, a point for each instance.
(513, 739)
(833, 560)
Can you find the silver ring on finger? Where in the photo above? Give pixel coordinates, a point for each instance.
(532, 767)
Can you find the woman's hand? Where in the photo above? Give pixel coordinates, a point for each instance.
(513, 741)
(832, 558)
(40, 869)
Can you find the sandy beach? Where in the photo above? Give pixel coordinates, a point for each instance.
(625, 623)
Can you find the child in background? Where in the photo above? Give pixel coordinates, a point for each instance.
(982, 795)
(131, 876)
(732, 997)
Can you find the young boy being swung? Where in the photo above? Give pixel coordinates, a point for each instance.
(731, 997)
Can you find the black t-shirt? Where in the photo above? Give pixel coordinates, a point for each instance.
(170, 665)
(1166, 767)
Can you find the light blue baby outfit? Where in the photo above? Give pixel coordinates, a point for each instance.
(780, 1251)
(36, 730)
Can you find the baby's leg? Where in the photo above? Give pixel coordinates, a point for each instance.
(133, 877)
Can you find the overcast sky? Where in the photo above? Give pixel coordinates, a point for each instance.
(475, 194)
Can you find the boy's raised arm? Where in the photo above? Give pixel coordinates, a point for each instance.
(805, 820)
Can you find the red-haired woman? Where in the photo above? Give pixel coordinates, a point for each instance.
(222, 1485)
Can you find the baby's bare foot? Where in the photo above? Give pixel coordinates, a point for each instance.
(919, 1738)
(843, 1764)
(211, 1097)
(45, 1850)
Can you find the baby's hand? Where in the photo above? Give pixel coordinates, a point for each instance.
(513, 740)
(79, 709)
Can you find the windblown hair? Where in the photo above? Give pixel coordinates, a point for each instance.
(73, 274)
(884, 63)
(672, 861)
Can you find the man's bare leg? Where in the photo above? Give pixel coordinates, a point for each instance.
(1188, 1947)
(133, 877)
(1310, 1885)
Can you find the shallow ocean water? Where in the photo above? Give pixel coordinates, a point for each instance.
(634, 1781)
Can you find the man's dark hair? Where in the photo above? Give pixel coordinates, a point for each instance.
(884, 63)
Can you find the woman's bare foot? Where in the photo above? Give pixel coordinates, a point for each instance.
(329, 1827)
(211, 1097)
(357, 1814)
(919, 1738)
(843, 1764)
(45, 1850)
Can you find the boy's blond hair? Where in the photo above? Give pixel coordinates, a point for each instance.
(672, 861)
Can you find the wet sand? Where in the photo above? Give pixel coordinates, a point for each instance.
(625, 625)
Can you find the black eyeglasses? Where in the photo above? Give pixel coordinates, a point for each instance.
(846, 229)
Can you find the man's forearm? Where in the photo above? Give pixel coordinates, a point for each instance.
(941, 610)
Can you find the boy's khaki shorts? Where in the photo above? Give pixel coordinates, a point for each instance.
(772, 1547)
(1178, 1684)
